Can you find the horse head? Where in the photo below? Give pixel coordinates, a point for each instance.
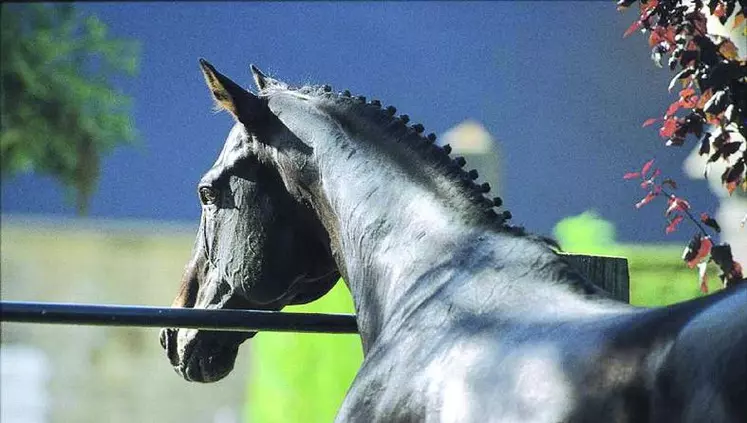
(256, 248)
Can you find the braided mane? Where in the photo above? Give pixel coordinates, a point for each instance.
(411, 136)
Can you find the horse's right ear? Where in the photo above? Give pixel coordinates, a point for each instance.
(243, 105)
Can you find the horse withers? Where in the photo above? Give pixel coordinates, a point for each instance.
(462, 317)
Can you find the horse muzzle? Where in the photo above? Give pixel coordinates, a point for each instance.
(202, 356)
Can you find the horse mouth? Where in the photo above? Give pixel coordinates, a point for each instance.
(203, 356)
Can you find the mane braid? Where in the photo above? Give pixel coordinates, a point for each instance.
(423, 146)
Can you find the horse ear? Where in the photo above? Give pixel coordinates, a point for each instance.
(260, 79)
(243, 105)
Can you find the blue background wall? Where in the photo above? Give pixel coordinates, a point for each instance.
(555, 83)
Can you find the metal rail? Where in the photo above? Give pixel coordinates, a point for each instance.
(142, 316)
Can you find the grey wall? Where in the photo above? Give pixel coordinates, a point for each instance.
(103, 374)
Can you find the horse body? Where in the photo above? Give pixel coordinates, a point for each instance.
(479, 343)
(564, 366)
(463, 317)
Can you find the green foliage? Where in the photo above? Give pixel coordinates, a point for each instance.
(659, 277)
(59, 111)
(586, 233)
(657, 274)
(303, 377)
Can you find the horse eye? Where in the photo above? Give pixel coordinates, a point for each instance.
(208, 195)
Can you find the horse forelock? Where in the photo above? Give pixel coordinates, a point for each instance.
(410, 136)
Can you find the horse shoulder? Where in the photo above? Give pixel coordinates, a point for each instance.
(457, 376)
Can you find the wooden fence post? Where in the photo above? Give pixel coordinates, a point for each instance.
(609, 273)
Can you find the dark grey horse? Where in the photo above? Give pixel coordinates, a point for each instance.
(462, 317)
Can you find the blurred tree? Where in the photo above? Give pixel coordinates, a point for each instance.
(58, 111)
(586, 233)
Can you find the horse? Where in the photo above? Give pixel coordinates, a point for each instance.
(462, 316)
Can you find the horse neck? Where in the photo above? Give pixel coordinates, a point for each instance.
(390, 233)
(399, 215)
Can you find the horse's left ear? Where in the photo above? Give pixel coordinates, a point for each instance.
(243, 105)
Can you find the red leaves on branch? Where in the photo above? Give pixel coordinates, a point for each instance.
(648, 182)
(710, 106)
(710, 71)
(700, 249)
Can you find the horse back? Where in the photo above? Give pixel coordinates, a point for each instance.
(704, 376)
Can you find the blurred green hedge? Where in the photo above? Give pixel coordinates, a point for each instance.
(303, 377)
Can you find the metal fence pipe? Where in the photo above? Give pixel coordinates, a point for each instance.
(163, 317)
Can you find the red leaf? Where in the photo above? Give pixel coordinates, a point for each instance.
(673, 224)
(649, 5)
(703, 277)
(656, 173)
(720, 10)
(631, 175)
(654, 39)
(647, 199)
(659, 34)
(677, 204)
(689, 102)
(687, 92)
(670, 125)
(672, 109)
(632, 28)
(731, 186)
(650, 122)
(703, 251)
(736, 270)
(646, 167)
